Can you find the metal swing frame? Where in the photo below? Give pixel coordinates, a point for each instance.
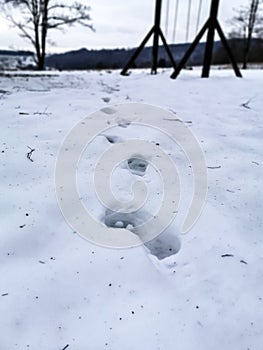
(211, 25)
(156, 32)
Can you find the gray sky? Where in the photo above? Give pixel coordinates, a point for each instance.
(120, 23)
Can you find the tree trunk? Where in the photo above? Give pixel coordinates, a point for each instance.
(251, 25)
(44, 27)
(37, 44)
(35, 15)
(41, 62)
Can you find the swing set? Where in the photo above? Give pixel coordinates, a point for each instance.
(211, 26)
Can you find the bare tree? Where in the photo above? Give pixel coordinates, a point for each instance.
(34, 19)
(246, 23)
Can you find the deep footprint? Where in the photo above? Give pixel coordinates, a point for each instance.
(137, 166)
(163, 246)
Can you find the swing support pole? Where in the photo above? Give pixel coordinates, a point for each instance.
(211, 25)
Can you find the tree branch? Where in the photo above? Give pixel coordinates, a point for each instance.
(41, 15)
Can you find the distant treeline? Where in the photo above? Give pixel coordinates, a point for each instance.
(117, 58)
(15, 53)
(111, 59)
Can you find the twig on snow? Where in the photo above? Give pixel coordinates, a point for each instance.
(29, 154)
(214, 167)
(243, 262)
(42, 113)
(246, 104)
(227, 256)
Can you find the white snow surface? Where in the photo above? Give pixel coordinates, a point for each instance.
(60, 291)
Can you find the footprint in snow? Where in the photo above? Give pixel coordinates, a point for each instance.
(113, 138)
(137, 166)
(162, 247)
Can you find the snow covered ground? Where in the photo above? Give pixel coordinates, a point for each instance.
(59, 291)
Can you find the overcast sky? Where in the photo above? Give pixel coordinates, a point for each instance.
(122, 23)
